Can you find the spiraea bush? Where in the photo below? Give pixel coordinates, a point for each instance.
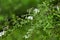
(30, 19)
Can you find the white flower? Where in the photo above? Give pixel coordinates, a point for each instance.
(30, 17)
(36, 10)
(2, 33)
(26, 36)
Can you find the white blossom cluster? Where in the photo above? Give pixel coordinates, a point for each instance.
(30, 17)
(36, 10)
(2, 33)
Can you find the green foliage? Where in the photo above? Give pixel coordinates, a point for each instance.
(45, 24)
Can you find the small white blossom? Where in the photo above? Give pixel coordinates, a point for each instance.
(26, 36)
(30, 17)
(2, 33)
(36, 10)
